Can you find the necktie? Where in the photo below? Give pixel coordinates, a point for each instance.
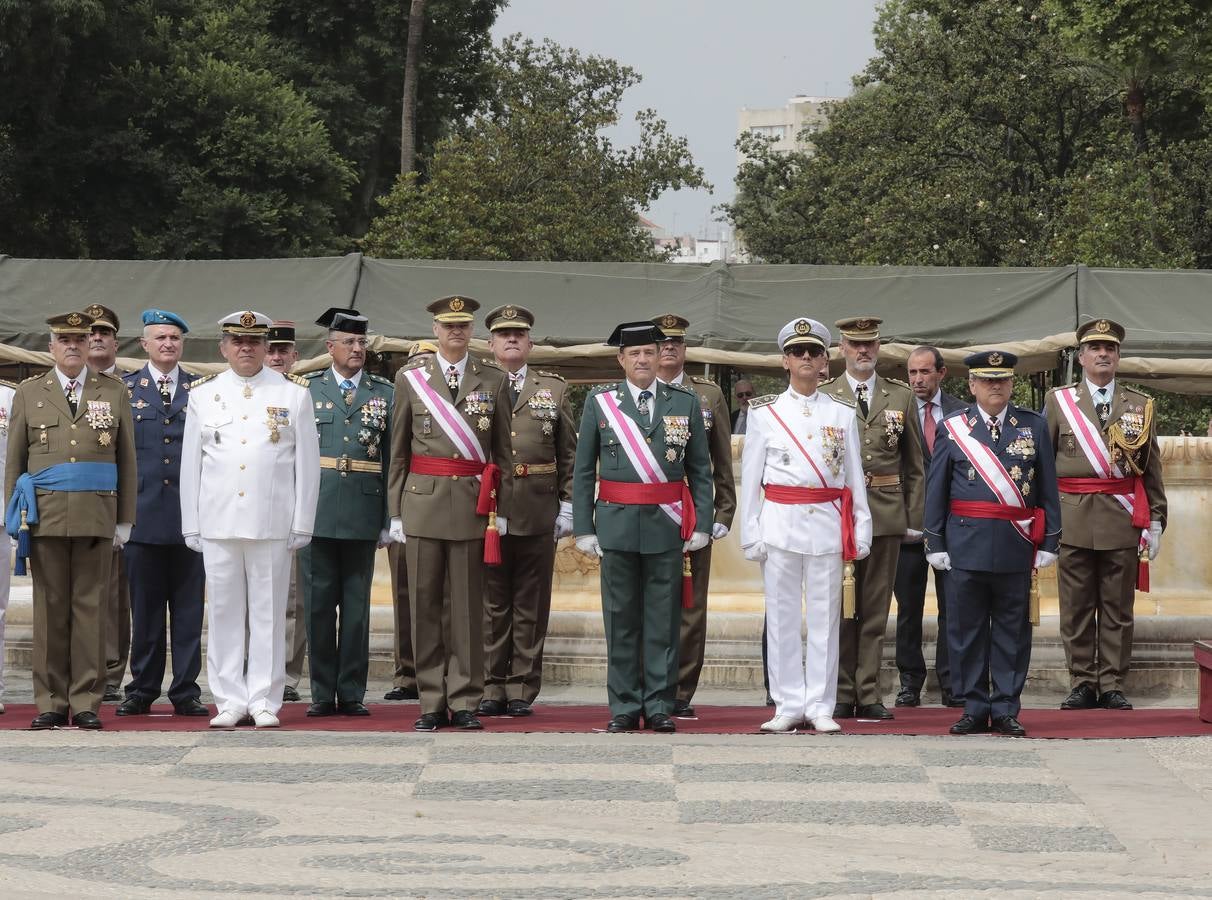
(995, 431)
(860, 393)
(1102, 405)
(928, 425)
(642, 407)
(452, 381)
(73, 399)
(515, 384)
(347, 391)
(165, 389)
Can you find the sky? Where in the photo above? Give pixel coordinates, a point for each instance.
(701, 61)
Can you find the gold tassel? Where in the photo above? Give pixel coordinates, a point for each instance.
(848, 590)
(1033, 598)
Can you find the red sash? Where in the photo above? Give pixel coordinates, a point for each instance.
(630, 493)
(981, 509)
(486, 503)
(1134, 486)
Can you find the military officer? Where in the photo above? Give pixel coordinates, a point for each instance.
(353, 417)
(517, 593)
(7, 392)
(165, 576)
(71, 476)
(250, 475)
(103, 358)
(653, 508)
(449, 447)
(1113, 508)
(671, 363)
(806, 517)
(992, 514)
(281, 356)
(891, 444)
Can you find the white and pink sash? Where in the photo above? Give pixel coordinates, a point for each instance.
(1089, 439)
(991, 471)
(636, 448)
(453, 425)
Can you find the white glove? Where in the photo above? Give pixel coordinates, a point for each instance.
(384, 539)
(1043, 559)
(297, 541)
(1152, 536)
(864, 550)
(698, 540)
(395, 530)
(563, 522)
(121, 535)
(588, 544)
(912, 536)
(502, 526)
(193, 542)
(940, 561)
(719, 531)
(755, 552)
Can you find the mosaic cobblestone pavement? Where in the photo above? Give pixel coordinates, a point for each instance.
(537, 816)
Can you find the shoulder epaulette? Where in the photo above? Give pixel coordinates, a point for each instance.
(417, 361)
(117, 378)
(379, 379)
(603, 388)
(764, 400)
(492, 364)
(829, 382)
(315, 374)
(7, 383)
(1134, 389)
(701, 379)
(1060, 387)
(550, 375)
(33, 378)
(899, 383)
(298, 379)
(198, 382)
(680, 387)
(845, 401)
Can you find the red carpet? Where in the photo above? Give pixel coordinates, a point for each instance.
(1040, 723)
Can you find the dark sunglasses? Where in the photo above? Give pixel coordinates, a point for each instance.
(801, 350)
(744, 395)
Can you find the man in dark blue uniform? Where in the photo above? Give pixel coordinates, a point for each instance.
(992, 515)
(165, 576)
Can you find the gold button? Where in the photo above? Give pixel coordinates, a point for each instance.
(243, 440)
(455, 477)
(166, 481)
(515, 452)
(650, 440)
(73, 459)
(168, 440)
(346, 439)
(241, 466)
(867, 441)
(344, 474)
(513, 434)
(241, 493)
(868, 457)
(413, 488)
(137, 419)
(73, 425)
(346, 422)
(168, 421)
(810, 510)
(167, 460)
(73, 442)
(455, 456)
(245, 418)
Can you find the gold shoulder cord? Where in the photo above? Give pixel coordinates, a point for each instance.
(1117, 439)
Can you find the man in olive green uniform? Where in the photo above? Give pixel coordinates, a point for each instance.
(693, 641)
(646, 440)
(449, 447)
(890, 439)
(71, 476)
(517, 593)
(1113, 509)
(353, 413)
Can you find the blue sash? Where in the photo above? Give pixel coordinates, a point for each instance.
(85, 476)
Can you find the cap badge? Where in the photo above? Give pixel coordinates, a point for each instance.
(456, 305)
(247, 320)
(74, 319)
(669, 321)
(802, 327)
(995, 358)
(95, 311)
(1102, 326)
(509, 313)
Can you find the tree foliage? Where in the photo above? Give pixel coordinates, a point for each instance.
(531, 175)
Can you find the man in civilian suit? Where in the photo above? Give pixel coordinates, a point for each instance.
(164, 574)
(926, 372)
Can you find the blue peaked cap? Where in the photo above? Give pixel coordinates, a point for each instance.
(164, 317)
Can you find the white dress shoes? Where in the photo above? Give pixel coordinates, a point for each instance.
(226, 719)
(265, 719)
(781, 725)
(826, 725)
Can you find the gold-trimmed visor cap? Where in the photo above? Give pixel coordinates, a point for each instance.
(509, 316)
(246, 322)
(450, 310)
(71, 323)
(991, 364)
(859, 328)
(672, 325)
(804, 331)
(1101, 330)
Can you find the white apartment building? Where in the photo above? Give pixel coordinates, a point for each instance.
(791, 126)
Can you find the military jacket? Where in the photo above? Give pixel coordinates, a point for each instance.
(890, 441)
(677, 439)
(250, 460)
(718, 426)
(541, 432)
(353, 498)
(991, 545)
(826, 428)
(43, 432)
(441, 506)
(159, 432)
(1097, 521)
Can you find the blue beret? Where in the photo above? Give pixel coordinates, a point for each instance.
(164, 317)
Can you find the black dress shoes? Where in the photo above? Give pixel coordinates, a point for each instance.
(134, 705)
(949, 699)
(872, 711)
(968, 725)
(87, 720)
(48, 720)
(112, 694)
(843, 711)
(191, 707)
(321, 709)
(1008, 725)
(490, 708)
(621, 723)
(662, 723)
(518, 708)
(1114, 700)
(908, 697)
(1081, 697)
(431, 721)
(466, 720)
(402, 693)
(683, 710)
(352, 708)
(290, 695)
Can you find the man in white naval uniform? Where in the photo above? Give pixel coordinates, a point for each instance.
(804, 508)
(6, 406)
(250, 478)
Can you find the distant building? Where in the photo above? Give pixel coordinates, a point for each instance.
(791, 126)
(686, 248)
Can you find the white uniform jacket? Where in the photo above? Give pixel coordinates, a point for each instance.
(827, 430)
(237, 481)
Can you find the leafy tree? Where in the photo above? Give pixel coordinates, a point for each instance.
(531, 175)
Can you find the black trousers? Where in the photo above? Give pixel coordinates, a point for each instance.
(912, 572)
(166, 585)
(989, 630)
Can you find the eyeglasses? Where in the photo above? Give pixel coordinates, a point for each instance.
(744, 395)
(800, 350)
(350, 343)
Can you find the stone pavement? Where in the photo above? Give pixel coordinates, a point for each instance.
(289, 813)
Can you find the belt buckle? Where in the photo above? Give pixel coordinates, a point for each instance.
(343, 464)
(519, 470)
(867, 476)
